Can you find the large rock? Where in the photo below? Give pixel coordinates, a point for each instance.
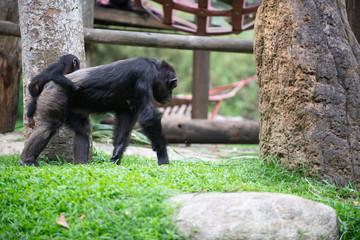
(307, 62)
(253, 215)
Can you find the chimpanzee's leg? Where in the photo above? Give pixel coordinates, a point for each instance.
(80, 123)
(125, 120)
(37, 142)
(152, 127)
(52, 107)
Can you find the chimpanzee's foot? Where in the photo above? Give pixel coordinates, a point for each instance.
(163, 162)
(117, 161)
(162, 158)
(23, 163)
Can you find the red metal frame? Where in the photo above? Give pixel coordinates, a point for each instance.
(202, 11)
(216, 94)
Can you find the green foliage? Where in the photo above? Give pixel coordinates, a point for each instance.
(104, 133)
(127, 201)
(118, 203)
(20, 110)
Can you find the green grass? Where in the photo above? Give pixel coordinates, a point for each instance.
(127, 201)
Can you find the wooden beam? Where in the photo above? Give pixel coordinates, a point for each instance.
(9, 28)
(152, 39)
(168, 41)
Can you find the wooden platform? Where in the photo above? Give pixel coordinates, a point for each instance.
(108, 16)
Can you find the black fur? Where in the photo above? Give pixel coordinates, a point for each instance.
(125, 87)
(55, 72)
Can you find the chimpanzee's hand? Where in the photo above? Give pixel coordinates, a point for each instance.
(31, 122)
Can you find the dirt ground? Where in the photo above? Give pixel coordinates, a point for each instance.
(13, 143)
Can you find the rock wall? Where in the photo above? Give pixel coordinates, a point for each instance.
(307, 61)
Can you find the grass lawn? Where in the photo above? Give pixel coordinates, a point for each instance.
(105, 201)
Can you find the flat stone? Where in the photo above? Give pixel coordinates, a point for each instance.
(253, 215)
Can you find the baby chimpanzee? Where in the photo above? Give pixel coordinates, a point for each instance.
(55, 72)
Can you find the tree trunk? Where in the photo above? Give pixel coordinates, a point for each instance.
(10, 69)
(307, 61)
(50, 29)
(353, 13)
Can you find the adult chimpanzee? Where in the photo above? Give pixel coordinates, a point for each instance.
(125, 87)
(55, 72)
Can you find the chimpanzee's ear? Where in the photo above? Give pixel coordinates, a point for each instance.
(75, 63)
(172, 83)
(164, 63)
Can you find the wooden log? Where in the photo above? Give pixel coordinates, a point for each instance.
(206, 131)
(211, 131)
(146, 39)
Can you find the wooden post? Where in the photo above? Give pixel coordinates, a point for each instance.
(200, 84)
(88, 20)
(10, 69)
(353, 12)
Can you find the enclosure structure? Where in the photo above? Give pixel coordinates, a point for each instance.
(195, 17)
(203, 44)
(240, 15)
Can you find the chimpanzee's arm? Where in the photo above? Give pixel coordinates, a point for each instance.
(58, 77)
(31, 108)
(36, 84)
(31, 112)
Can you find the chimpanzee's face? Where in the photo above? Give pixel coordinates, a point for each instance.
(164, 84)
(71, 63)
